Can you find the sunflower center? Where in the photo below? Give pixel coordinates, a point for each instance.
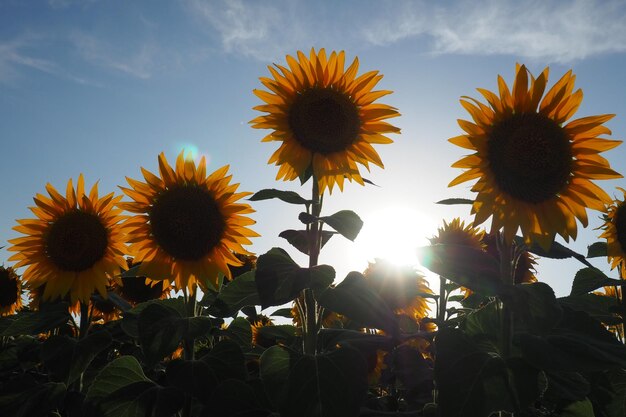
(324, 120)
(76, 241)
(8, 289)
(187, 223)
(620, 226)
(530, 156)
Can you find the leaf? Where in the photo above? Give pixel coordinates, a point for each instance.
(346, 222)
(192, 377)
(283, 334)
(282, 312)
(452, 201)
(597, 250)
(355, 299)
(286, 196)
(274, 371)
(119, 373)
(227, 361)
(471, 382)
(233, 398)
(298, 238)
(142, 399)
(240, 332)
(597, 306)
(617, 405)
(556, 251)
(38, 401)
(590, 279)
(239, 293)
(326, 385)
(578, 409)
(535, 304)
(466, 266)
(50, 316)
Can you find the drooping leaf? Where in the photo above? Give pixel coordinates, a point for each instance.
(590, 279)
(556, 251)
(50, 316)
(298, 238)
(346, 222)
(239, 293)
(354, 299)
(597, 250)
(282, 312)
(226, 360)
(326, 385)
(274, 370)
(464, 265)
(287, 196)
(453, 201)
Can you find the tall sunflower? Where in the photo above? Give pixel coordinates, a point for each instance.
(615, 233)
(10, 291)
(534, 171)
(325, 117)
(75, 244)
(457, 233)
(187, 225)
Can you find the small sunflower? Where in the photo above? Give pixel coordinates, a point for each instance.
(457, 233)
(139, 289)
(10, 291)
(325, 117)
(534, 171)
(615, 233)
(187, 225)
(403, 288)
(526, 262)
(74, 246)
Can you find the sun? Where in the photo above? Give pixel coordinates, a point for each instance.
(394, 233)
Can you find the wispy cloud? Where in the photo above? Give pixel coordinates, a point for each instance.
(559, 31)
(137, 63)
(15, 55)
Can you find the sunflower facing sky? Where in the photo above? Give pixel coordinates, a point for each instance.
(187, 225)
(615, 233)
(534, 170)
(75, 245)
(325, 117)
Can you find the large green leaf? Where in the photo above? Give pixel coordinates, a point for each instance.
(279, 279)
(240, 332)
(590, 279)
(578, 409)
(354, 299)
(454, 201)
(227, 361)
(37, 401)
(119, 373)
(326, 385)
(192, 377)
(597, 250)
(50, 316)
(556, 251)
(470, 267)
(535, 304)
(240, 292)
(286, 196)
(472, 382)
(346, 222)
(274, 369)
(597, 306)
(299, 238)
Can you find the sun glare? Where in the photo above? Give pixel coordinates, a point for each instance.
(394, 233)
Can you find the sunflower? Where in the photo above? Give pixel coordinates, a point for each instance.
(74, 246)
(402, 288)
(325, 117)
(457, 233)
(139, 289)
(534, 172)
(187, 226)
(10, 291)
(615, 233)
(525, 263)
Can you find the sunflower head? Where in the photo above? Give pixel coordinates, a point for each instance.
(403, 288)
(10, 291)
(534, 167)
(74, 245)
(103, 310)
(457, 233)
(186, 225)
(615, 232)
(325, 118)
(526, 262)
(139, 289)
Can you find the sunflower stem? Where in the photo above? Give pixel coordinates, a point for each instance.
(84, 320)
(310, 304)
(507, 277)
(441, 316)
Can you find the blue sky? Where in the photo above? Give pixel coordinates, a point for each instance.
(101, 87)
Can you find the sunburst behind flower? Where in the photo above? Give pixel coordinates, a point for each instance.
(534, 171)
(75, 244)
(186, 225)
(325, 116)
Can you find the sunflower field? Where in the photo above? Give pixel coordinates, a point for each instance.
(147, 302)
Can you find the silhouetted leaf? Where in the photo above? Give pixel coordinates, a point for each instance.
(597, 250)
(347, 223)
(240, 292)
(192, 377)
(240, 332)
(556, 251)
(535, 304)
(298, 238)
(453, 201)
(50, 316)
(597, 306)
(326, 385)
(227, 361)
(286, 196)
(590, 279)
(274, 370)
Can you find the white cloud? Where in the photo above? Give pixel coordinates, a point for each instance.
(138, 63)
(559, 31)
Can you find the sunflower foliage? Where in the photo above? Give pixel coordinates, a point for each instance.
(153, 306)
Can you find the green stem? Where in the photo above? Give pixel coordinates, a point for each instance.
(310, 305)
(189, 342)
(508, 277)
(441, 316)
(84, 320)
